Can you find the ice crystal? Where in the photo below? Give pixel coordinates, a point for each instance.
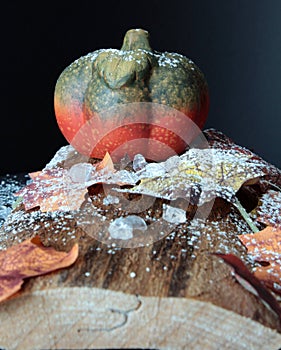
(123, 227)
(173, 215)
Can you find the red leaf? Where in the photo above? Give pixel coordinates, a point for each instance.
(248, 280)
(56, 188)
(28, 259)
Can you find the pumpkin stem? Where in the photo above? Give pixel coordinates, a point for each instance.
(136, 39)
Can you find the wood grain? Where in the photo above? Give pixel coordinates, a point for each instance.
(171, 294)
(95, 318)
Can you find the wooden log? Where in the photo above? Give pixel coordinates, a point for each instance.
(165, 295)
(170, 293)
(96, 318)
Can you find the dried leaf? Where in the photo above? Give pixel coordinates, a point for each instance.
(199, 174)
(248, 280)
(265, 247)
(218, 140)
(106, 163)
(28, 259)
(56, 188)
(269, 212)
(52, 189)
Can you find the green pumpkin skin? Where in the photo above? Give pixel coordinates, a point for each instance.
(107, 78)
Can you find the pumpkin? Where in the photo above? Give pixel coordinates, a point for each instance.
(129, 101)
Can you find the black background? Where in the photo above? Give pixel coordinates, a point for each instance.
(237, 44)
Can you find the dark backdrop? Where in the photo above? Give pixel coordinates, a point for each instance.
(237, 44)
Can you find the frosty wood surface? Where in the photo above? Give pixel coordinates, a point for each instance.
(86, 318)
(167, 295)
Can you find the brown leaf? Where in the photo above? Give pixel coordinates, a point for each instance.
(28, 259)
(269, 212)
(249, 281)
(217, 139)
(265, 247)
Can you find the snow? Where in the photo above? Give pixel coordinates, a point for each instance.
(200, 175)
(8, 186)
(4, 212)
(152, 170)
(270, 210)
(60, 156)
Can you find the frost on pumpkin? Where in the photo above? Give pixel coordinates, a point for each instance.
(199, 175)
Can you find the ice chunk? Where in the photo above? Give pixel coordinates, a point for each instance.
(173, 215)
(109, 199)
(137, 222)
(80, 172)
(152, 170)
(125, 161)
(120, 229)
(139, 162)
(123, 227)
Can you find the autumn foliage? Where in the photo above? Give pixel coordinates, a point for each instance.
(28, 259)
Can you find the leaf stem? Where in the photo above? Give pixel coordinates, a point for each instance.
(245, 215)
(273, 185)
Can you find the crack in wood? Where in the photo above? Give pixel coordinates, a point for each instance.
(123, 313)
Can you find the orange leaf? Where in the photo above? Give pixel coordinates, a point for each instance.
(27, 259)
(64, 189)
(52, 189)
(265, 246)
(106, 163)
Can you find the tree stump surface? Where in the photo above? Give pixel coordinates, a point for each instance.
(172, 294)
(96, 318)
